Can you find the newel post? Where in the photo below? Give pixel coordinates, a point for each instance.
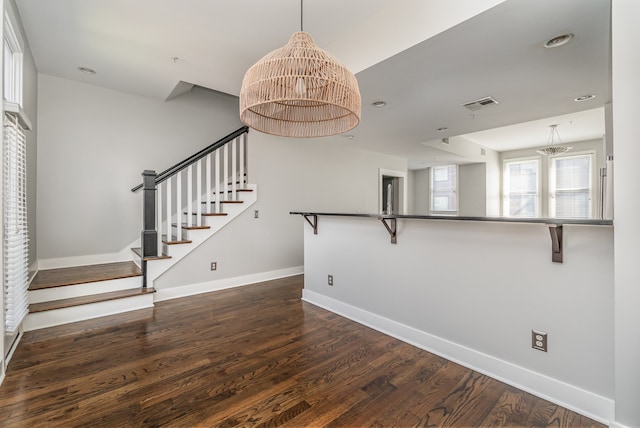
(149, 239)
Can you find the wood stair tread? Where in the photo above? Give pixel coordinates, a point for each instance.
(138, 252)
(174, 240)
(60, 277)
(185, 227)
(210, 214)
(237, 190)
(225, 202)
(83, 300)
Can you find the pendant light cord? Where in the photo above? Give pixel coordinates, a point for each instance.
(301, 27)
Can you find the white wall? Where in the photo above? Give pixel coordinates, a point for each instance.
(626, 131)
(473, 292)
(94, 144)
(292, 175)
(420, 193)
(494, 191)
(472, 190)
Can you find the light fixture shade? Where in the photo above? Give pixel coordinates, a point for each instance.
(553, 149)
(301, 91)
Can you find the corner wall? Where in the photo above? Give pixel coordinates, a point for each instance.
(473, 291)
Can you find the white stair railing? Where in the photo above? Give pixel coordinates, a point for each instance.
(176, 195)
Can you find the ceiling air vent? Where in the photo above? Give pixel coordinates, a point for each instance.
(481, 103)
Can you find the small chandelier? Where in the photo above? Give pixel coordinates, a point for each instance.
(553, 149)
(300, 91)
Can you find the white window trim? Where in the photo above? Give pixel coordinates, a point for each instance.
(455, 192)
(505, 211)
(552, 176)
(13, 93)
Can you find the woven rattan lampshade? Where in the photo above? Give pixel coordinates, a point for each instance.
(300, 90)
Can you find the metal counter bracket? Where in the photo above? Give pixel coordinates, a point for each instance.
(556, 242)
(391, 228)
(313, 223)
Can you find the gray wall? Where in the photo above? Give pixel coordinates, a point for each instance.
(86, 171)
(94, 144)
(472, 190)
(626, 129)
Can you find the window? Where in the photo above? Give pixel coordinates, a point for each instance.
(16, 238)
(444, 189)
(12, 67)
(570, 188)
(521, 188)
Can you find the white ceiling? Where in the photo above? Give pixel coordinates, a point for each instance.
(424, 57)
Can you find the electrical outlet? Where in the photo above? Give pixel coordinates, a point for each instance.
(330, 280)
(214, 265)
(539, 340)
(256, 214)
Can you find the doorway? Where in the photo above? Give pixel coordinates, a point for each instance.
(392, 192)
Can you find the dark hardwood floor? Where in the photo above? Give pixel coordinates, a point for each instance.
(250, 356)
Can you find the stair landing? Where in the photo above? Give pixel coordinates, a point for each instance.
(60, 296)
(84, 274)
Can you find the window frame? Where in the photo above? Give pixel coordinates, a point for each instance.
(505, 182)
(551, 192)
(12, 69)
(455, 191)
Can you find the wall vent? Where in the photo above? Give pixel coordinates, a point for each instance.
(480, 104)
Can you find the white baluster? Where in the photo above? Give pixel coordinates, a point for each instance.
(217, 187)
(189, 195)
(178, 207)
(234, 169)
(199, 193)
(225, 175)
(242, 162)
(169, 208)
(208, 186)
(159, 189)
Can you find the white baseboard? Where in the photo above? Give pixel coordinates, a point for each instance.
(576, 399)
(222, 284)
(38, 320)
(617, 425)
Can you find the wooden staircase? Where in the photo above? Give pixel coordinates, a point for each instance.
(58, 296)
(210, 185)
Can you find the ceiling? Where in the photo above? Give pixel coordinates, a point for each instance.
(442, 54)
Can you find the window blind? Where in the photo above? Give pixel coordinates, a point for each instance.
(16, 238)
(521, 188)
(571, 186)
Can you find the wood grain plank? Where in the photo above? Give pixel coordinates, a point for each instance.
(251, 356)
(82, 274)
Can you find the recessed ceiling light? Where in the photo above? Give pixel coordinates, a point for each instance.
(442, 129)
(349, 136)
(584, 97)
(379, 103)
(558, 41)
(87, 70)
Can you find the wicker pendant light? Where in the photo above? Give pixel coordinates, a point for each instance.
(301, 91)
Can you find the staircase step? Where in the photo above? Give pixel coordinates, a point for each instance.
(138, 252)
(225, 202)
(83, 274)
(185, 227)
(83, 300)
(209, 214)
(237, 190)
(174, 240)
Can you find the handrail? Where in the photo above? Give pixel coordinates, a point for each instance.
(166, 174)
